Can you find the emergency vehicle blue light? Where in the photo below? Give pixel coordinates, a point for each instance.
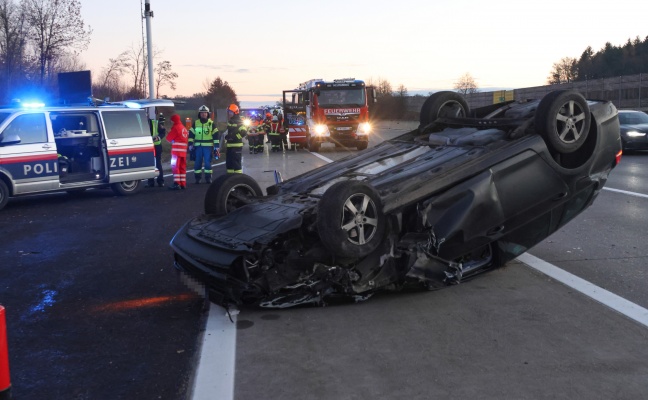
(33, 105)
(131, 104)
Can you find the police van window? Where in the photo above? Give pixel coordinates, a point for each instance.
(74, 122)
(125, 124)
(30, 128)
(4, 116)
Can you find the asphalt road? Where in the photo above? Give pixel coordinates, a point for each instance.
(95, 311)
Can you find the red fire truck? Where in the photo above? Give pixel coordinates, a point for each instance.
(321, 111)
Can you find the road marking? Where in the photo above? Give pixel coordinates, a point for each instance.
(328, 160)
(215, 375)
(617, 303)
(626, 192)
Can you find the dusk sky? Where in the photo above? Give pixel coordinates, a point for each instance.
(262, 48)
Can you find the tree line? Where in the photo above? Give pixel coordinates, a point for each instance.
(38, 39)
(610, 61)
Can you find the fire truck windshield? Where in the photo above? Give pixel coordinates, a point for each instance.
(341, 97)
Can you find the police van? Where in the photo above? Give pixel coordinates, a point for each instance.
(73, 148)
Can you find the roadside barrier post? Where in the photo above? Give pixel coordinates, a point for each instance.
(188, 123)
(5, 382)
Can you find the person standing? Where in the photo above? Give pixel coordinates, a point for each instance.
(158, 131)
(273, 134)
(178, 137)
(236, 131)
(203, 141)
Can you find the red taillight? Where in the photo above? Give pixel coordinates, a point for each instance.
(618, 157)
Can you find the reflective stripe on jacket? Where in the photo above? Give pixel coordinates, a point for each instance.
(204, 134)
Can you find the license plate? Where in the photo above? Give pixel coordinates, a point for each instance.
(344, 128)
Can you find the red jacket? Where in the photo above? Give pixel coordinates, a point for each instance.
(178, 137)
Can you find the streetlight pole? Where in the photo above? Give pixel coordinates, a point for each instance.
(148, 14)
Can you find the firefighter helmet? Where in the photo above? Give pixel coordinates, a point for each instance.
(268, 115)
(233, 108)
(203, 109)
(161, 117)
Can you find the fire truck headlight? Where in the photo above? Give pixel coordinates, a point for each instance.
(320, 129)
(364, 128)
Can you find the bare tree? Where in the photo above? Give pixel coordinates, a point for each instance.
(55, 26)
(13, 30)
(563, 71)
(164, 75)
(466, 84)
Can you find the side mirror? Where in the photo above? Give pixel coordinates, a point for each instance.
(9, 140)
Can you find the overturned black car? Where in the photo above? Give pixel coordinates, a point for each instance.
(465, 192)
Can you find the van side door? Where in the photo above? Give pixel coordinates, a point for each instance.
(28, 153)
(129, 145)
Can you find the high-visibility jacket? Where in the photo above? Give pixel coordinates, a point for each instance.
(236, 131)
(157, 132)
(204, 134)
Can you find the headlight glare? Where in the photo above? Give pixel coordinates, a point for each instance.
(636, 134)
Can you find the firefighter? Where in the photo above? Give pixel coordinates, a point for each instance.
(283, 131)
(236, 131)
(178, 137)
(273, 134)
(158, 131)
(203, 142)
(253, 134)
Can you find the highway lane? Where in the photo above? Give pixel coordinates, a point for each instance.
(95, 311)
(512, 333)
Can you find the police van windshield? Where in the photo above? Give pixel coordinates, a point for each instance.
(342, 97)
(3, 116)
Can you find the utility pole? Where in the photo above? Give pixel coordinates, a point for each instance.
(148, 14)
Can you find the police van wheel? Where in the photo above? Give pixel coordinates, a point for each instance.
(4, 194)
(126, 188)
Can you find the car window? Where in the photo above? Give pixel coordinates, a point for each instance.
(633, 118)
(30, 128)
(78, 122)
(124, 124)
(3, 116)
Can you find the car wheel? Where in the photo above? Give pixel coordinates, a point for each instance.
(444, 104)
(126, 188)
(229, 192)
(563, 120)
(362, 145)
(350, 220)
(4, 194)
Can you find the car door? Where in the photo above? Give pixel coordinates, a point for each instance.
(28, 153)
(129, 145)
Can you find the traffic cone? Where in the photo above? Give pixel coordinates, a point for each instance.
(5, 382)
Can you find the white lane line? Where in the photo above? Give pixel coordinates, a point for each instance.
(645, 196)
(617, 303)
(215, 375)
(328, 160)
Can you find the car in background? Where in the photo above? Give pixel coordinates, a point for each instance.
(466, 192)
(634, 130)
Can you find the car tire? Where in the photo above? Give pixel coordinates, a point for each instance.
(563, 119)
(126, 188)
(444, 104)
(229, 192)
(350, 220)
(4, 194)
(362, 145)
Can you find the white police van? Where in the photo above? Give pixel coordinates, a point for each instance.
(73, 148)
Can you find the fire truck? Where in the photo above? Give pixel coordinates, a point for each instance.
(320, 111)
